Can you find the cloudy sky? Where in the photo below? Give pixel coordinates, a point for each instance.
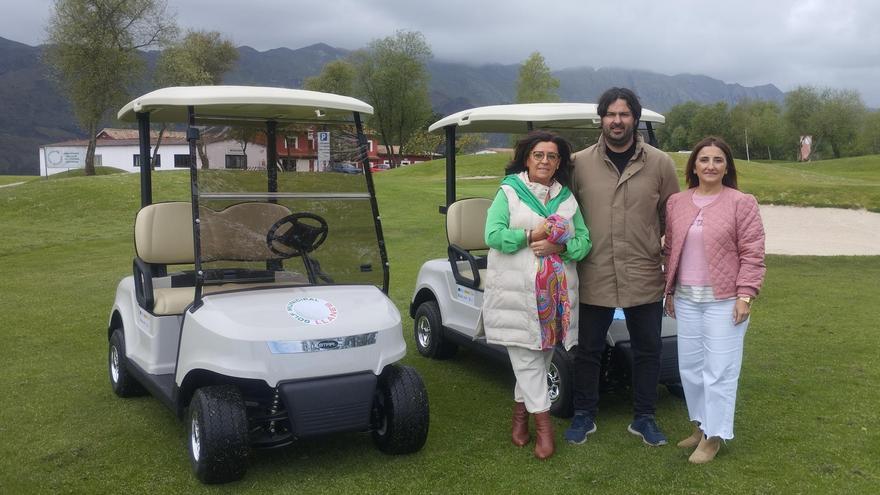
(788, 43)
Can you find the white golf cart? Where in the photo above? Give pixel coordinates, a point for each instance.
(448, 295)
(275, 323)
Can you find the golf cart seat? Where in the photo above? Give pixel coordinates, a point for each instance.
(163, 236)
(465, 230)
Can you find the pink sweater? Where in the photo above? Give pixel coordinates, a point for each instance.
(733, 237)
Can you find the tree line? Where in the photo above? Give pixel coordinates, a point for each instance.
(837, 120)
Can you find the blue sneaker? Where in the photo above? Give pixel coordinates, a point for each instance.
(581, 426)
(647, 428)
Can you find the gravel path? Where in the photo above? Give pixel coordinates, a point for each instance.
(820, 231)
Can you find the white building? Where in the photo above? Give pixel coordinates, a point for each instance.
(119, 148)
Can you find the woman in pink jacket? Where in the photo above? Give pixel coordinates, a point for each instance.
(714, 269)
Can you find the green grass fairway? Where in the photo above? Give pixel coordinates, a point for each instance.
(807, 415)
(14, 179)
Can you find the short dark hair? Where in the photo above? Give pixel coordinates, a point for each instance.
(625, 94)
(525, 146)
(690, 173)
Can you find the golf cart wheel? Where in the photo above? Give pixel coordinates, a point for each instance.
(428, 333)
(400, 411)
(217, 434)
(124, 385)
(559, 384)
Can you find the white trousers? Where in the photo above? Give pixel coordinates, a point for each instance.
(710, 349)
(530, 368)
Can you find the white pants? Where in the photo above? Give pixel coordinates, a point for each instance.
(530, 368)
(710, 349)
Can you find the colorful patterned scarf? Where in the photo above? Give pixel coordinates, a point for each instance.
(551, 288)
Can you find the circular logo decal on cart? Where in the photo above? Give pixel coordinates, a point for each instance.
(312, 311)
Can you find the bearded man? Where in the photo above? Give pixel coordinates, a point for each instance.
(621, 184)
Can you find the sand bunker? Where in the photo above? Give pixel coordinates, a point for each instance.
(820, 231)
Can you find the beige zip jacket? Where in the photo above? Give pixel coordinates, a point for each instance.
(625, 214)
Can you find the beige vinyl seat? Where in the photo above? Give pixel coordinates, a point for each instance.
(163, 236)
(465, 231)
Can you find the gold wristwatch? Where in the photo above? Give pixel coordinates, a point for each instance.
(746, 299)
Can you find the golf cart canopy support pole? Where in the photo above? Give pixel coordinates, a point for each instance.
(652, 139)
(272, 156)
(450, 167)
(192, 135)
(143, 119)
(365, 163)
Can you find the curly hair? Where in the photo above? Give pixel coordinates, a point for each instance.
(525, 146)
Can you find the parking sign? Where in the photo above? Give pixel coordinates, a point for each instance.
(323, 150)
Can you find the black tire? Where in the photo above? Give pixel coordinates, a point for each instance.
(676, 389)
(428, 333)
(217, 434)
(123, 383)
(559, 382)
(400, 411)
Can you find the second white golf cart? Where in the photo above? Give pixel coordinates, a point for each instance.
(275, 323)
(448, 296)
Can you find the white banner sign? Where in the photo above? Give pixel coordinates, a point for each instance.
(323, 150)
(65, 157)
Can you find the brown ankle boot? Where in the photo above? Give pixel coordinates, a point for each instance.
(706, 450)
(544, 443)
(693, 440)
(520, 429)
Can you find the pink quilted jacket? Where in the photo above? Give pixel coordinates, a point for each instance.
(733, 236)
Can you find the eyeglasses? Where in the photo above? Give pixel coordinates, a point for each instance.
(539, 156)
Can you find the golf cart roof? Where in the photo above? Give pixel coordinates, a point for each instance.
(514, 118)
(242, 104)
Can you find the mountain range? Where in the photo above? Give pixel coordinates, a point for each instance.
(35, 113)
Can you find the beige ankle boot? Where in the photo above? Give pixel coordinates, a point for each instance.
(706, 450)
(693, 440)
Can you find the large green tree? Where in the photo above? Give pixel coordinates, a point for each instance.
(535, 84)
(839, 119)
(675, 133)
(758, 130)
(392, 77)
(336, 77)
(710, 120)
(832, 116)
(93, 54)
(200, 58)
(869, 137)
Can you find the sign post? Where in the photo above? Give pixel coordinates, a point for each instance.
(323, 151)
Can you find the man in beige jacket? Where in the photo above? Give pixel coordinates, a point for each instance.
(621, 184)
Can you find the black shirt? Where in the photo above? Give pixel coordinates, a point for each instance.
(621, 159)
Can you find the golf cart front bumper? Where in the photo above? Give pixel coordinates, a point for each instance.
(329, 405)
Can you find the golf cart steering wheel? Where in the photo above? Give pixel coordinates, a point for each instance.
(304, 233)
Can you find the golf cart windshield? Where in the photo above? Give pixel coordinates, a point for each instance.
(318, 224)
(269, 204)
(522, 118)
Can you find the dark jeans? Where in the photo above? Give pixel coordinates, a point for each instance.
(644, 323)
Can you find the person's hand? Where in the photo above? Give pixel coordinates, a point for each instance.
(545, 248)
(540, 232)
(740, 312)
(669, 305)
